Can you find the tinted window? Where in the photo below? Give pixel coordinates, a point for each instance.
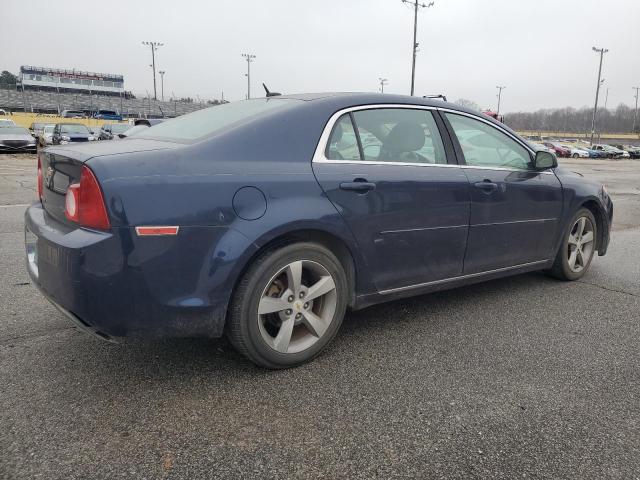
(486, 146)
(343, 144)
(205, 122)
(77, 128)
(399, 135)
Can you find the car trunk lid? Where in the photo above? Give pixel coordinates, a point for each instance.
(62, 166)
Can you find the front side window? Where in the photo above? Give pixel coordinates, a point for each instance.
(486, 146)
(399, 135)
(343, 144)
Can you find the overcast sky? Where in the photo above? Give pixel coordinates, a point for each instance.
(539, 49)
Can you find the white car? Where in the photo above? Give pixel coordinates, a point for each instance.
(576, 152)
(6, 122)
(46, 137)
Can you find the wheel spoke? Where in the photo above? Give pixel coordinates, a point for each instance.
(282, 340)
(294, 276)
(316, 325)
(580, 229)
(587, 237)
(580, 257)
(572, 258)
(573, 240)
(321, 287)
(271, 305)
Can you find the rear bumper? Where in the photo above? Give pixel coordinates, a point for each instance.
(115, 284)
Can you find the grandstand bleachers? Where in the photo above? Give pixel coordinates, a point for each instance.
(53, 102)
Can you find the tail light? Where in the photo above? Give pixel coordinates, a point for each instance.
(84, 203)
(39, 177)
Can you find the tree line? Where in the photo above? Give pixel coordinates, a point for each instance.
(568, 119)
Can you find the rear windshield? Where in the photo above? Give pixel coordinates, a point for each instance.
(203, 123)
(74, 129)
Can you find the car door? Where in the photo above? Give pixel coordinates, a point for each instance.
(515, 209)
(390, 175)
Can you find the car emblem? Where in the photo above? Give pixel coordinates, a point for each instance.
(48, 176)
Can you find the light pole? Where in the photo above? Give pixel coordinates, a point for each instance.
(249, 58)
(601, 51)
(162, 72)
(414, 48)
(635, 113)
(499, 97)
(383, 82)
(154, 46)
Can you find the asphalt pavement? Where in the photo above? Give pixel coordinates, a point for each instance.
(525, 377)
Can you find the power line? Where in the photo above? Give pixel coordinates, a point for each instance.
(414, 48)
(154, 46)
(249, 58)
(601, 51)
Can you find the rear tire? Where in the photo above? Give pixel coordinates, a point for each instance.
(288, 305)
(578, 247)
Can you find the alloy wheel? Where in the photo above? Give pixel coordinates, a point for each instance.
(297, 306)
(581, 244)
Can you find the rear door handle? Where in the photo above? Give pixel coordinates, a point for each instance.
(486, 185)
(359, 185)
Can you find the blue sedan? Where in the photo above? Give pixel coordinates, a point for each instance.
(267, 219)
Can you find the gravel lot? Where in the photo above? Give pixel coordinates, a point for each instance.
(525, 377)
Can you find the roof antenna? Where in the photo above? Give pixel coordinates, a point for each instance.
(436, 96)
(270, 94)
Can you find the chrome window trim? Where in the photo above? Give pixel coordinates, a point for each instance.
(319, 154)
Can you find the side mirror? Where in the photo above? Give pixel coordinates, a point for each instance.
(544, 160)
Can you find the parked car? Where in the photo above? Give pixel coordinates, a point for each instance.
(133, 130)
(46, 136)
(608, 151)
(64, 133)
(149, 122)
(15, 139)
(558, 149)
(110, 131)
(7, 122)
(190, 228)
(107, 115)
(632, 150)
(73, 114)
(540, 147)
(36, 128)
(576, 152)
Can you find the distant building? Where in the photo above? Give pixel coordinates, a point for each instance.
(70, 81)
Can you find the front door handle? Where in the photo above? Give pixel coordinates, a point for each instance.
(486, 185)
(359, 185)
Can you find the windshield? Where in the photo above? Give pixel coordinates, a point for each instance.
(203, 123)
(14, 131)
(48, 129)
(78, 128)
(120, 128)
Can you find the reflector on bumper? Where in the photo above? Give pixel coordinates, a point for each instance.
(148, 231)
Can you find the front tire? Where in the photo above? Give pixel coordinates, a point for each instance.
(578, 247)
(288, 305)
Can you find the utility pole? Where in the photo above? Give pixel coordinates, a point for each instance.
(601, 51)
(635, 114)
(249, 58)
(499, 97)
(162, 72)
(414, 49)
(154, 46)
(383, 82)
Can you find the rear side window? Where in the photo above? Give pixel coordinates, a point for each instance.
(208, 121)
(486, 146)
(387, 135)
(343, 143)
